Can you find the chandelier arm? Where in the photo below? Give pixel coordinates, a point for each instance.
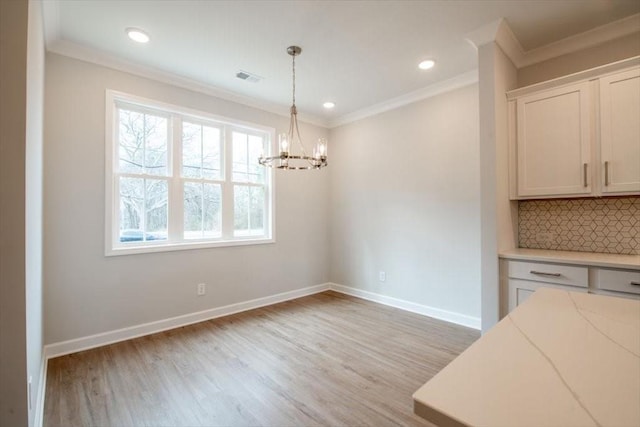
(304, 153)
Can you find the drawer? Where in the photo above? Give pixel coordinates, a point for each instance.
(558, 274)
(617, 280)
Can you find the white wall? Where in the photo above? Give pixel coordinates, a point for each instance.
(34, 199)
(497, 74)
(21, 103)
(88, 293)
(405, 199)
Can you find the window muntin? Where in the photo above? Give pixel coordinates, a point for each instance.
(181, 179)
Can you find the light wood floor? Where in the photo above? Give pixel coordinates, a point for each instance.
(327, 359)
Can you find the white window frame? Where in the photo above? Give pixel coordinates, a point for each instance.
(175, 240)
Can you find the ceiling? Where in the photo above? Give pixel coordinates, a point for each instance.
(354, 53)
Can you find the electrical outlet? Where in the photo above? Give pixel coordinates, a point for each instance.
(202, 289)
(382, 276)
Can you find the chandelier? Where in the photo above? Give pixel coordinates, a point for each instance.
(292, 155)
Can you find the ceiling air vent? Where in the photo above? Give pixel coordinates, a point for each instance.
(245, 75)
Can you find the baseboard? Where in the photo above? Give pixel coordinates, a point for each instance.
(448, 316)
(98, 340)
(42, 385)
(105, 338)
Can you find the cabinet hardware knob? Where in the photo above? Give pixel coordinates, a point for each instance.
(634, 283)
(543, 273)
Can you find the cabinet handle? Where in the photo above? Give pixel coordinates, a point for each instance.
(606, 173)
(542, 273)
(634, 283)
(584, 177)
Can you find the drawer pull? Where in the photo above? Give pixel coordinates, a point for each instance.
(634, 283)
(606, 174)
(584, 172)
(542, 273)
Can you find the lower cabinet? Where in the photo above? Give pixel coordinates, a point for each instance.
(606, 281)
(524, 277)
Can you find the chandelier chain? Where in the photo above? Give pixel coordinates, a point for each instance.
(294, 79)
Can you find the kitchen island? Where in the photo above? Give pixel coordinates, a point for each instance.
(559, 359)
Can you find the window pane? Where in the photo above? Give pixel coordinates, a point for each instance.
(248, 210)
(212, 210)
(246, 151)
(191, 150)
(131, 209)
(200, 151)
(156, 209)
(211, 153)
(156, 129)
(240, 156)
(256, 148)
(131, 141)
(143, 209)
(142, 143)
(202, 210)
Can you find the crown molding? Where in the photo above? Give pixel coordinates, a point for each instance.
(51, 21)
(104, 59)
(587, 39)
(500, 33)
(456, 82)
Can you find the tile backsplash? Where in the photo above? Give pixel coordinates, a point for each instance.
(606, 225)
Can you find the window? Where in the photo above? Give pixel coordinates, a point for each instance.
(182, 179)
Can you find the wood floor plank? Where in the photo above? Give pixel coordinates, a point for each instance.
(323, 360)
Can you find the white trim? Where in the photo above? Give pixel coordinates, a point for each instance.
(456, 82)
(105, 338)
(485, 34)
(587, 39)
(592, 73)
(110, 337)
(500, 33)
(51, 20)
(38, 418)
(425, 310)
(174, 115)
(94, 56)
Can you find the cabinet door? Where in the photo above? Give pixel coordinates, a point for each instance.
(520, 290)
(620, 132)
(553, 142)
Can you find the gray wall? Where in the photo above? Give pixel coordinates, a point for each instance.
(405, 199)
(21, 103)
(88, 293)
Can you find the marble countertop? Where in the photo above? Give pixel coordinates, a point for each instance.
(577, 258)
(559, 359)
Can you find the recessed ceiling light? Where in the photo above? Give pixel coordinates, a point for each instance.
(329, 105)
(137, 35)
(425, 65)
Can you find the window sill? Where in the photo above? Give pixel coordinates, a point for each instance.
(183, 246)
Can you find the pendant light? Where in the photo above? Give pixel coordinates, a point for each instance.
(292, 155)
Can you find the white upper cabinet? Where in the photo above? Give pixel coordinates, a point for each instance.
(620, 132)
(554, 140)
(576, 136)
